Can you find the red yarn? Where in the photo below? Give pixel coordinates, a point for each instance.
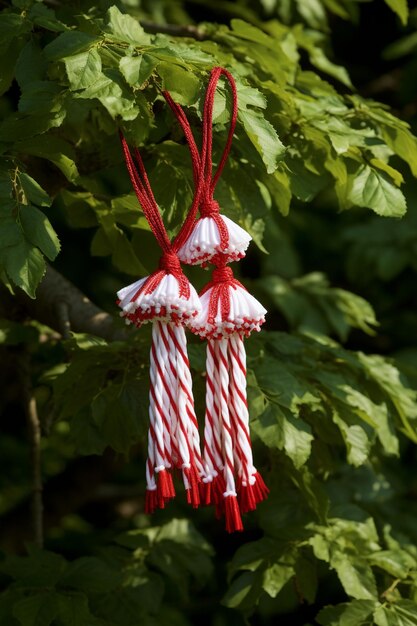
(222, 280)
(204, 178)
(232, 514)
(210, 208)
(222, 274)
(169, 262)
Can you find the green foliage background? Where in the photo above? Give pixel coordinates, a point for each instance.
(332, 379)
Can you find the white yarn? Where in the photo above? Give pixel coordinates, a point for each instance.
(204, 241)
(170, 387)
(150, 475)
(211, 456)
(220, 348)
(168, 391)
(246, 314)
(237, 360)
(156, 405)
(185, 381)
(166, 295)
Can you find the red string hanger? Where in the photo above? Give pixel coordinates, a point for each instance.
(211, 233)
(166, 299)
(228, 314)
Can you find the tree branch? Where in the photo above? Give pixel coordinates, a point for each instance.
(63, 494)
(34, 429)
(62, 310)
(174, 30)
(63, 307)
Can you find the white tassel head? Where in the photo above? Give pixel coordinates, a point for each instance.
(227, 308)
(213, 234)
(165, 295)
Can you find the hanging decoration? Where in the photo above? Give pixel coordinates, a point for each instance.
(166, 299)
(228, 314)
(224, 314)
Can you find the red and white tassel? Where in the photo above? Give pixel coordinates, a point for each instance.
(230, 503)
(251, 487)
(228, 313)
(227, 307)
(213, 234)
(164, 295)
(167, 299)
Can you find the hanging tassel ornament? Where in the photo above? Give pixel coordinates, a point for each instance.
(166, 299)
(212, 233)
(228, 314)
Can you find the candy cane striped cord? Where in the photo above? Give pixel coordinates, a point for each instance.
(185, 381)
(252, 488)
(175, 345)
(213, 462)
(170, 410)
(232, 514)
(160, 417)
(167, 362)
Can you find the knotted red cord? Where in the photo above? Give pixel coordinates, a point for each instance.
(222, 279)
(204, 178)
(173, 439)
(169, 262)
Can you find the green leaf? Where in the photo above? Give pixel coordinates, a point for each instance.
(37, 610)
(111, 91)
(54, 149)
(177, 550)
(281, 430)
(356, 440)
(10, 233)
(354, 613)
(310, 304)
(39, 569)
(180, 82)
(264, 137)
(137, 70)
(125, 28)
(115, 412)
(355, 575)
(41, 96)
(402, 613)
(69, 43)
(244, 591)
(372, 188)
(38, 231)
(110, 239)
(9, 58)
(25, 266)
(17, 126)
(400, 7)
(91, 575)
(74, 610)
(45, 17)
(33, 191)
(278, 574)
(83, 69)
(398, 562)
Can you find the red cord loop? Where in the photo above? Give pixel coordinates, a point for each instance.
(170, 263)
(222, 275)
(204, 178)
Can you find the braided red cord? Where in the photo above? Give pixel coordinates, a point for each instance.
(202, 163)
(145, 196)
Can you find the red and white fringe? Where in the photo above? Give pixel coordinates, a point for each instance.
(232, 482)
(211, 235)
(173, 440)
